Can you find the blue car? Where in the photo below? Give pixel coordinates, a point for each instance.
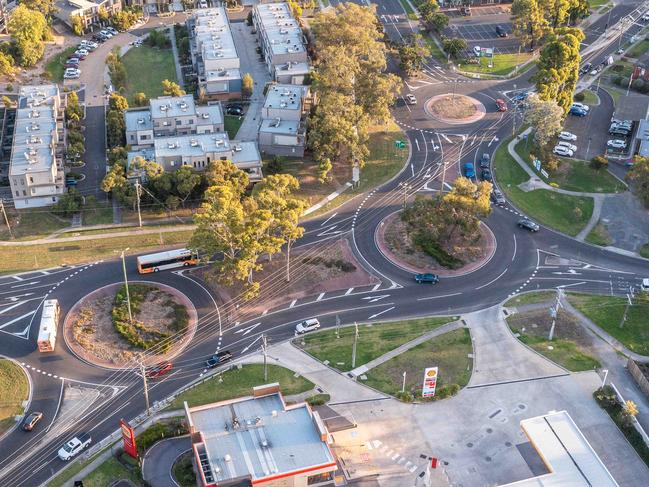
(469, 171)
(578, 112)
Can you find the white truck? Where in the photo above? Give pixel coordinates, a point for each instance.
(74, 446)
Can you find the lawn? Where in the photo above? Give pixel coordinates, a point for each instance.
(408, 9)
(531, 298)
(15, 390)
(547, 207)
(450, 352)
(71, 472)
(239, 383)
(597, 3)
(24, 258)
(112, 470)
(31, 224)
(638, 49)
(101, 213)
(232, 124)
(435, 50)
(644, 251)
(607, 313)
(590, 98)
(503, 64)
(55, 66)
(374, 340)
(146, 67)
(575, 175)
(599, 236)
(563, 352)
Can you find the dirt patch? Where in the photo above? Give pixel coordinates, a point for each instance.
(538, 323)
(90, 333)
(332, 267)
(396, 243)
(456, 107)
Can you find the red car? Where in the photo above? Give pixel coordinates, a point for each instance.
(158, 370)
(502, 106)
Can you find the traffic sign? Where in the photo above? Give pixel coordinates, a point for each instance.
(399, 144)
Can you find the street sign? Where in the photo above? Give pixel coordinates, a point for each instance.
(399, 144)
(537, 164)
(430, 382)
(128, 436)
(486, 52)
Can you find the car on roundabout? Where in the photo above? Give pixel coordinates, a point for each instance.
(426, 278)
(410, 99)
(469, 170)
(31, 420)
(497, 197)
(528, 224)
(486, 175)
(158, 370)
(484, 162)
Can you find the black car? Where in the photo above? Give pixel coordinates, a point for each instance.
(234, 110)
(484, 162)
(528, 224)
(218, 359)
(497, 197)
(500, 31)
(486, 175)
(31, 420)
(585, 68)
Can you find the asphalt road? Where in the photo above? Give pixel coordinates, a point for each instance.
(522, 261)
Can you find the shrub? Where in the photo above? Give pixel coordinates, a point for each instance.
(577, 214)
(434, 249)
(275, 165)
(317, 399)
(581, 96)
(158, 431)
(599, 162)
(404, 396)
(638, 84)
(446, 390)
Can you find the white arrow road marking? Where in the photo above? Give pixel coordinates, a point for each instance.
(325, 222)
(574, 284)
(251, 344)
(329, 231)
(374, 299)
(17, 297)
(495, 139)
(380, 313)
(11, 307)
(17, 319)
(446, 138)
(248, 329)
(417, 144)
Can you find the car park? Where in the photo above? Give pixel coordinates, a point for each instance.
(567, 145)
(218, 359)
(410, 99)
(469, 170)
(528, 224)
(158, 370)
(486, 175)
(484, 162)
(616, 144)
(497, 197)
(71, 73)
(307, 325)
(31, 420)
(563, 151)
(500, 31)
(567, 136)
(234, 110)
(426, 278)
(501, 105)
(645, 284)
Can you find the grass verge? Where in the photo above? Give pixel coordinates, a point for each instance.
(158, 64)
(552, 209)
(590, 97)
(55, 66)
(644, 251)
(638, 49)
(502, 65)
(15, 389)
(183, 470)
(111, 470)
(450, 352)
(239, 382)
(375, 340)
(232, 124)
(607, 312)
(435, 50)
(31, 224)
(599, 236)
(531, 298)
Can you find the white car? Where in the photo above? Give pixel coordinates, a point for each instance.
(410, 99)
(89, 44)
(581, 106)
(567, 136)
(476, 50)
(307, 325)
(616, 144)
(645, 285)
(563, 151)
(645, 17)
(567, 145)
(71, 73)
(106, 33)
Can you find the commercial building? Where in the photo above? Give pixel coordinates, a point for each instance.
(260, 440)
(280, 35)
(36, 173)
(170, 116)
(282, 130)
(214, 55)
(88, 10)
(568, 457)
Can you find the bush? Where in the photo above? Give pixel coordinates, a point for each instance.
(317, 399)
(404, 396)
(159, 431)
(599, 162)
(581, 96)
(638, 85)
(275, 165)
(434, 249)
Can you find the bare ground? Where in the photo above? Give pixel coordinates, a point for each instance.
(456, 107)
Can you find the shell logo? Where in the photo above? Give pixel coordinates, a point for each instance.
(431, 373)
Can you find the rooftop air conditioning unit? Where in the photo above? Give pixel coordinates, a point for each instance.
(205, 115)
(193, 143)
(164, 108)
(237, 148)
(275, 123)
(264, 444)
(283, 31)
(171, 145)
(140, 120)
(219, 142)
(34, 114)
(166, 123)
(282, 105)
(223, 73)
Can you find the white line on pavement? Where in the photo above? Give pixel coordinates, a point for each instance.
(493, 280)
(381, 312)
(438, 297)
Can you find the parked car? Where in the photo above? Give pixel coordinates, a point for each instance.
(218, 359)
(500, 31)
(581, 106)
(71, 73)
(497, 197)
(158, 370)
(645, 284)
(426, 278)
(645, 17)
(528, 225)
(477, 50)
(567, 136)
(619, 131)
(585, 68)
(112, 30)
(70, 182)
(88, 45)
(486, 175)
(501, 105)
(74, 446)
(31, 420)
(234, 110)
(106, 33)
(410, 99)
(307, 325)
(567, 145)
(73, 62)
(578, 112)
(563, 151)
(469, 170)
(81, 54)
(616, 144)
(521, 96)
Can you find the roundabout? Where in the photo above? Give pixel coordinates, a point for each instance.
(451, 108)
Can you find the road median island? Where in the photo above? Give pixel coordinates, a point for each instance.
(14, 386)
(533, 297)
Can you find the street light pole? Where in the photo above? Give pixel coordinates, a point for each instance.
(403, 386)
(354, 347)
(128, 296)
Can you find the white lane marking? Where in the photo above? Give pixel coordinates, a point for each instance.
(25, 284)
(320, 296)
(349, 291)
(17, 278)
(376, 287)
(374, 299)
(380, 313)
(325, 222)
(417, 143)
(438, 297)
(17, 319)
(574, 284)
(412, 168)
(248, 329)
(446, 138)
(329, 231)
(265, 312)
(514, 248)
(493, 280)
(11, 307)
(292, 303)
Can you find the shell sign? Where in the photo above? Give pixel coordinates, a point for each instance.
(430, 382)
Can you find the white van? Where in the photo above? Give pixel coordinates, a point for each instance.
(645, 285)
(307, 325)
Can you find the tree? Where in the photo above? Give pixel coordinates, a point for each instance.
(186, 180)
(558, 67)
(76, 23)
(438, 22)
(171, 89)
(454, 47)
(638, 176)
(324, 167)
(7, 102)
(117, 102)
(413, 54)
(140, 99)
(73, 107)
(427, 8)
(7, 65)
(68, 203)
(103, 14)
(546, 119)
(76, 150)
(145, 169)
(247, 85)
(115, 182)
(124, 19)
(555, 12)
(115, 128)
(528, 22)
(578, 9)
(46, 7)
(599, 162)
(27, 28)
(219, 173)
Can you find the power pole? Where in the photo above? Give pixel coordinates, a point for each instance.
(2, 207)
(626, 309)
(337, 326)
(264, 344)
(128, 296)
(354, 347)
(138, 193)
(146, 389)
(403, 386)
(554, 311)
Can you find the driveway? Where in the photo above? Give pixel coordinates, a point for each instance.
(159, 460)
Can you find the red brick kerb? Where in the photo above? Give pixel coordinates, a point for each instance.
(110, 290)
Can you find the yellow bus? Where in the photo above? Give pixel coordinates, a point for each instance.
(166, 260)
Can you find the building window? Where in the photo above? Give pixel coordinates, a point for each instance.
(321, 477)
(179, 122)
(191, 121)
(22, 182)
(31, 180)
(53, 199)
(24, 193)
(17, 193)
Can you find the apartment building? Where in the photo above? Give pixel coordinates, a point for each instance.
(169, 116)
(260, 440)
(282, 131)
(6, 8)
(291, 73)
(280, 35)
(36, 174)
(88, 10)
(214, 55)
